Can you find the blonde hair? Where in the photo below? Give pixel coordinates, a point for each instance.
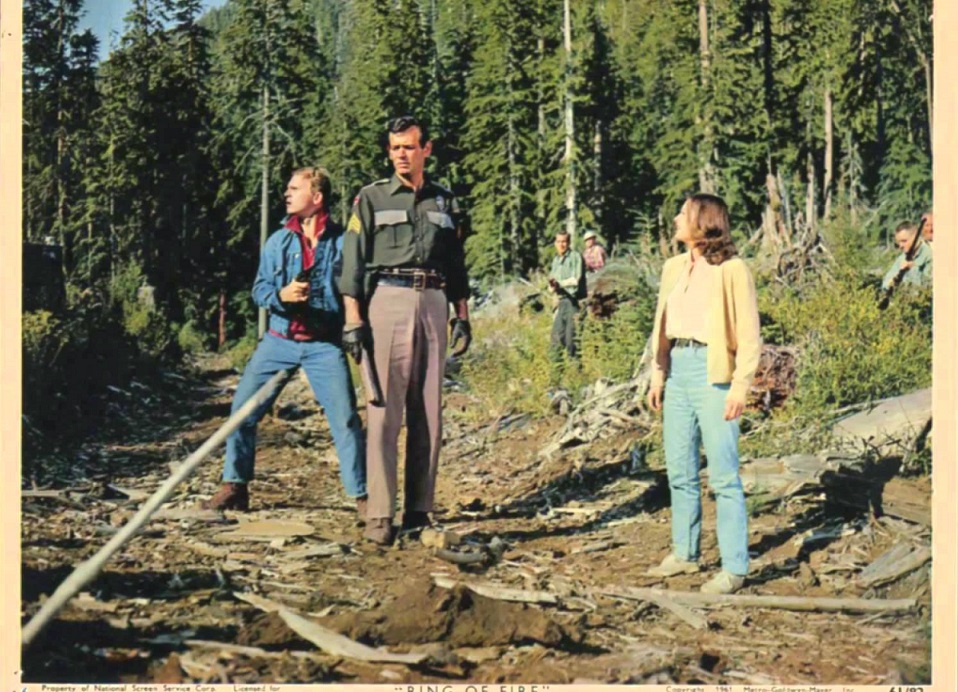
(318, 178)
(710, 227)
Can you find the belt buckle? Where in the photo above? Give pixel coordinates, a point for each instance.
(419, 281)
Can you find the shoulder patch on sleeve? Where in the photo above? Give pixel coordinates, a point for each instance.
(354, 225)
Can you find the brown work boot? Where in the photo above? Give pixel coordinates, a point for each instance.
(413, 520)
(362, 505)
(379, 530)
(230, 496)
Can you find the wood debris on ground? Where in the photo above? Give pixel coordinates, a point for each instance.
(544, 515)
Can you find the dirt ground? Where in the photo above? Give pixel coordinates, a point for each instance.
(577, 525)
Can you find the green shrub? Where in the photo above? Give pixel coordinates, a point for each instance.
(189, 338)
(241, 351)
(43, 338)
(849, 350)
(612, 347)
(147, 324)
(508, 367)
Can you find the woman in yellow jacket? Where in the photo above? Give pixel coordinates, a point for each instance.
(706, 347)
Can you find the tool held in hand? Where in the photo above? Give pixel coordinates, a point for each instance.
(375, 392)
(356, 340)
(910, 253)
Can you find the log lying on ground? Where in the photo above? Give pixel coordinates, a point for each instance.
(501, 593)
(900, 560)
(893, 424)
(846, 605)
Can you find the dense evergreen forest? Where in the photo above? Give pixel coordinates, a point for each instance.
(162, 164)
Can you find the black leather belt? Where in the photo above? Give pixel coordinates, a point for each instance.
(419, 279)
(687, 343)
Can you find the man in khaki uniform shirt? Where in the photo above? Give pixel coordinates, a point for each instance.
(402, 265)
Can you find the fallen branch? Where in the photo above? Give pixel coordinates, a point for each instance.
(664, 600)
(85, 572)
(251, 651)
(462, 558)
(848, 605)
(338, 645)
(499, 593)
(327, 640)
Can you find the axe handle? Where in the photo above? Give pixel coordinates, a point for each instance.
(374, 393)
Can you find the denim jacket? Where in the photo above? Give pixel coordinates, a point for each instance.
(282, 259)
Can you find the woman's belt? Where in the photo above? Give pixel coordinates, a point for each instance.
(419, 279)
(687, 343)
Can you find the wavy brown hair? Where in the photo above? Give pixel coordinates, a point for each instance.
(710, 227)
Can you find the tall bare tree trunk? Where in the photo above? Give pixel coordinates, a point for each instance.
(264, 198)
(540, 140)
(59, 177)
(926, 65)
(514, 192)
(810, 214)
(598, 179)
(829, 153)
(221, 322)
(570, 197)
(706, 151)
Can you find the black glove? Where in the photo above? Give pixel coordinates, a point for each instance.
(461, 331)
(355, 337)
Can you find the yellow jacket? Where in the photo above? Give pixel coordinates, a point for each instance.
(734, 342)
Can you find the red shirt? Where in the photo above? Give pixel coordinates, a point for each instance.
(298, 329)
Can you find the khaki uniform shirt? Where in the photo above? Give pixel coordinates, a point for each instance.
(393, 226)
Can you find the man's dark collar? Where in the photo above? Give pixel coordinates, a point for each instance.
(395, 184)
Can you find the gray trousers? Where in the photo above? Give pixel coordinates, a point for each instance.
(563, 326)
(409, 343)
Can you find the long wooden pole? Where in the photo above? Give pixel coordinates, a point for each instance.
(87, 571)
(705, 600)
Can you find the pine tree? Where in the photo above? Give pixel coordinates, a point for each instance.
(268, 89)
(59, 95)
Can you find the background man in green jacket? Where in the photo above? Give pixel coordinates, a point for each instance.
(917, 271)
(566, 280)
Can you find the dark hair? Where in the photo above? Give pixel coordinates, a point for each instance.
(906, 226)
(318, 178)
(404, 122)
(710, 226)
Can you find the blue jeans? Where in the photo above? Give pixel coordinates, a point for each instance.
(328, 374)
(694, 412)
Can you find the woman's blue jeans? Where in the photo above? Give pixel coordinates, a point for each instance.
(694, 412)
(328, 375)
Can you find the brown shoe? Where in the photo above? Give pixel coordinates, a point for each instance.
(413, 520)
(230, 496)
(379, 530)
(362, 504)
